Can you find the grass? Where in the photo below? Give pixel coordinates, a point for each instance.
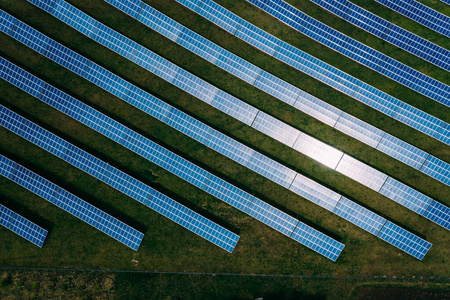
(166, 246)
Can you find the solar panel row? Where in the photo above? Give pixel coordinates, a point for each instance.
(387, 31)
(266, 124)
(358, 129)
(286, 93)
(175, 164)
(200, 178)
(421, 14)
(55, 194)
(357, 51)
(108, 174)
(15, 222)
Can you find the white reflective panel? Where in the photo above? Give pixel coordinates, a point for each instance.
(318, 150)
(275, 129)
(315, 192)
(361, 173)
(360, 130)
(317, 108)
(278, 88)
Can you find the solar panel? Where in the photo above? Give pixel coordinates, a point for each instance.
(421, 14)
(100, 170)
(308, 236)
(229, 147)
(405, 196)
(315, 192)
(358, 215)
(361, 173)
(437, 168)
(339, 80)
(234, 107)
(219, 16)
(267, 127)
(170, 162)
(366, 133)
(257, 37)
(276, 129)
(21, 226)
(318, 150)
(140, 149)
(278, 88)
(404, 240)
(439, 214)
(131, 7)
(159, 22)
(389, 32)
(73, 205)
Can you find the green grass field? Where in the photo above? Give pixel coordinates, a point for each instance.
(167, 246)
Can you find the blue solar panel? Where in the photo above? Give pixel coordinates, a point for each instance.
(108, 81)
(21, 226)
(320, 243)
(188, 125)
(6, 165)
(30, 37)
(238, 67)
(228, 193)
(278, 88)
(63, 102)
(388, 32)
(128, 185)
(44, 139)
(11, 121)
(46, 5)
(318, 109)
(234, 107)
(221, 17)
(6, 22)
(192, 4)
(444, 134)
(74, 18)
(199, 45)
(100, 169)
(67, 58)
(20, 78)
(344, 83)
(437, 169)
(360, 216)
(362, 131)
(115, 41)
(147, 103)
(273, 217)
(405, 196)
(271, 169)
(86, 162)
(35, 183)
(155, 64)
(357, 51)
(404, 240)
(315, 192)
(402, 151)
(438, 213)
(421, 14)
(257, 37)
(195, 86)
(131, 7)
(103, 124)
(159, 22)
(229, 147)
(192, 221)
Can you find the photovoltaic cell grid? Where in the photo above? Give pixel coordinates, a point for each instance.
(331, 76)
(166, 206)
(366, 133)
(111, 176)
(67, 201)
(387, 31)
(139, 147)
(422, 14)
(272, 127)
(18, 224)
(357, 51)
